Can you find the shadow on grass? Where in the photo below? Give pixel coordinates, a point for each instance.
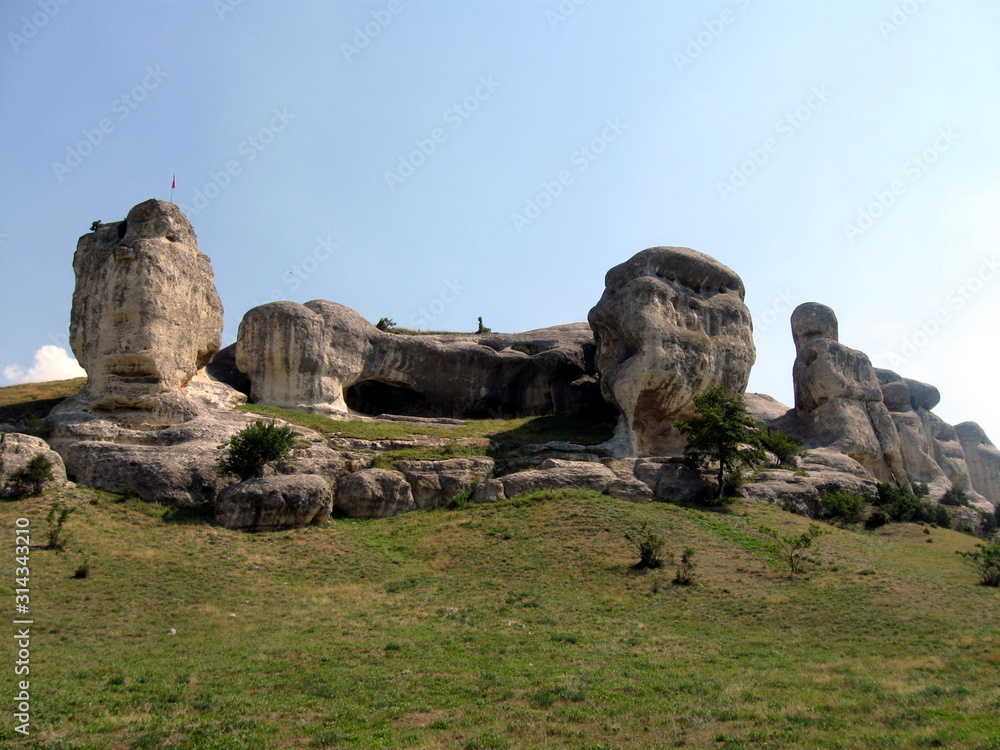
(589, 429)
(193, 515)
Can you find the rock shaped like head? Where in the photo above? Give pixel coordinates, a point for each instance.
(146, 315)
(670, 324)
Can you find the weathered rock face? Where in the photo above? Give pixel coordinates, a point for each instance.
(439, 482)
(275, 502)
(16, 450)
(670, 324)
(324, 357)
(146, 315)
(838, 398)
(983, 460)
(374, 493)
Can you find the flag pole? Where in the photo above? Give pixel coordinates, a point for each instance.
(173, 184)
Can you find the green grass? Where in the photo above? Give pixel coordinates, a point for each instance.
(35, 400)
(515, 625)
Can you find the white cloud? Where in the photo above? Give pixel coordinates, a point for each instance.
(51, 363)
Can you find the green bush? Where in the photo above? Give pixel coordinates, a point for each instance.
(683, 576)
(986, 562)
(780, 444)
(902, 504)
(256, 447)
(842, 506)
(56, 520)
(649, 545)
(876, 519)
(385, 324)
(955, 497)
(31, 478)
(791, 549)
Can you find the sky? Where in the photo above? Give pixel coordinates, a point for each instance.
(434, 161)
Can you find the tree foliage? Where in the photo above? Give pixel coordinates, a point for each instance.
(257, 446)
(722, 433)
(986, 562)
(31, 477)
(792, 549)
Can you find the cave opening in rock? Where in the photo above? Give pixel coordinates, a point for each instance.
(374, 397)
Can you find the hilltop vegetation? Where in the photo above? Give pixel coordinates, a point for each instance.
(519, 624)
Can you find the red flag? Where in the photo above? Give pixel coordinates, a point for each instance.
(174, 183)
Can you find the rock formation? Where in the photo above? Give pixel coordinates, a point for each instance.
(146, 316)
(326, 358)
(983, 460)
(838, 400)
(275, 502)
(670, 324)
(16, 450)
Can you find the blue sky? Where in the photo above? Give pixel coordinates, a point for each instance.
(435, 161)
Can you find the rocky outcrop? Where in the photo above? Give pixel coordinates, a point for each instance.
(838, 400)
(16, 450)
(983, 459)
(374, 493)
(820, 470)
(273, 503)
(435, 483)
(326, 358)
(146, 315)
(670, 324)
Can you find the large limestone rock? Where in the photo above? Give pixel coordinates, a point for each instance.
(16, 450)
(326, 358)
(146, 316)
(838, 400)
(983, 460)
(275, 502)
(670, 324)
(820, 470)
(435, 483)
(374, 493)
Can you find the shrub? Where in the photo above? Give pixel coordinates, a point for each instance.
(56, 520)
(31, 478)
(255, 447)
(842, 506)
(986, 562)
(482, 328)
(83, 570)
(791, 548)
(780, 444)
(955, 497)
(877, 519)
(385, 324)
(684, 573)
(649, 545)
(901, 504)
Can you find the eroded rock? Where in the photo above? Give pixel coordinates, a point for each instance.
(374, 493)
(670, 324)
(275, 502)
(17, 450)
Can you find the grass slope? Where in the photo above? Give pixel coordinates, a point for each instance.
(515, 625)
(35, 400)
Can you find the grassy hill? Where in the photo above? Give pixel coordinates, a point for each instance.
(515, 625)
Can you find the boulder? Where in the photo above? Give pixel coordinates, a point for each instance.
(326, 358)
(146, 315)
(16, 450)
(374, 493)
(560, 474)
(436, 483)
(672, 481)
(275, 502)
(820, 470)
(983, 460)
(670, 324)
(764, 408)
(838, 399)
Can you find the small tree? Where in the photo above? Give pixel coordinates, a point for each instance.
(649, 545)
(781, 445)
(842, 505)
(385, 324)
(683, 576)
(482, 328)
(256, 447)
(31, 477)
(791, 548)
(986, 562)
(722, 433)
(56, 520)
